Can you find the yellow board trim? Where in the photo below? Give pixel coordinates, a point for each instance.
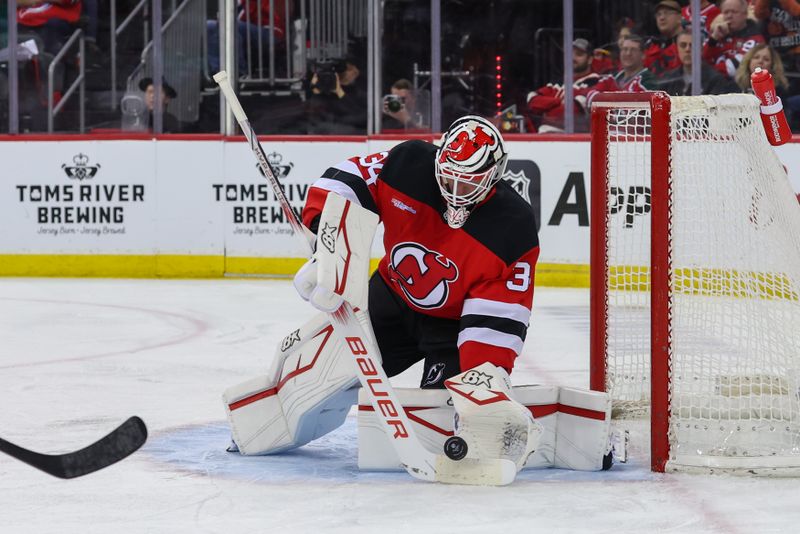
(195, 266)
(112, 266)
(709, 282)
(278, 267)
(562, 275)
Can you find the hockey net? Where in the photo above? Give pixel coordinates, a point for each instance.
(696, 281)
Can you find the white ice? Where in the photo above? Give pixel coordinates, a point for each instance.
(77, 357)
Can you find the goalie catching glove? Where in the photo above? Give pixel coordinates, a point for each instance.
(488, 420)
(339, 268)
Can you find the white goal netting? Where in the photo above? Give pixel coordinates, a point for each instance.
(734, 380)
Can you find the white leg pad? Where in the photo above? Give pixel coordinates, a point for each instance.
(584, 429)
(307, 392)
(576, 426)
(542, 401)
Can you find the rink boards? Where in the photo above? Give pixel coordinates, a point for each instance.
(199, 207)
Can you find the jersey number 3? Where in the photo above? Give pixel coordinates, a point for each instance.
(522, 277)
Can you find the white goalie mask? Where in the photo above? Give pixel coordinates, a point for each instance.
(470, 160)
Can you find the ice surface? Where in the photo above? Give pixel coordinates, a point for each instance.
(79, 356)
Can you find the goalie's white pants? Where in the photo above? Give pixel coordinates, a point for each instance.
(577, 426)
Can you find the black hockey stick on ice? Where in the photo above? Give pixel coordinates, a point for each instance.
(417, 460)
(120, 443)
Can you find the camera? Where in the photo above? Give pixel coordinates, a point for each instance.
(327, 70)
(393, 103)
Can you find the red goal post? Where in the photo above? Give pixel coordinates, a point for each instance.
(695, 281)
(658, 106)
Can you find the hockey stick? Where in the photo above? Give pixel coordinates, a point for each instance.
(120, 443)
(416, 459)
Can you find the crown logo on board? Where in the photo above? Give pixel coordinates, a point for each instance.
(81, 170)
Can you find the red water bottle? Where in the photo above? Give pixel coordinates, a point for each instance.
(775, 125)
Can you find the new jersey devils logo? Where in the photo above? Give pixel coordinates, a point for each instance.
(469, 146)
(422, 274)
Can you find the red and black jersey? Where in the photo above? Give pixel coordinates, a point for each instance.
(548, 102)
(249, 10)
(707, 16)
(661, 55)
(725, 55)
(480, 274)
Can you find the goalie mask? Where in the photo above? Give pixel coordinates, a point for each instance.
(470, 160)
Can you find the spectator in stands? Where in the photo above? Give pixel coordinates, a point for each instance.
(248, 24)
(602, 61)
(546, 104)
(732, 35)
(661, 55)
(404, 109)
(678, 82)
(169, 123)
(633, 77)
(623, 28)
(708, 12)
(764, 56)
(781, 19)
(337, 99)
(52, 21)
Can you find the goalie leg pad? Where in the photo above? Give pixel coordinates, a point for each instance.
(344, 240)
(583, 433)
(307, 392)
(577, 427)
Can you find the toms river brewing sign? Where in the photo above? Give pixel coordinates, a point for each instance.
(78, 202)
(254, 208)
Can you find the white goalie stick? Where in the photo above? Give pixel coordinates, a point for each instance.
(415, 458)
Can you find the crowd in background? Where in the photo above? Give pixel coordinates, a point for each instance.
(738, 36)
(500, 59)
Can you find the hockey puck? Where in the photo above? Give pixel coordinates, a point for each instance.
(455, 448)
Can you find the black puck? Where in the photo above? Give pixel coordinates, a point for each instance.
(455, 448)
